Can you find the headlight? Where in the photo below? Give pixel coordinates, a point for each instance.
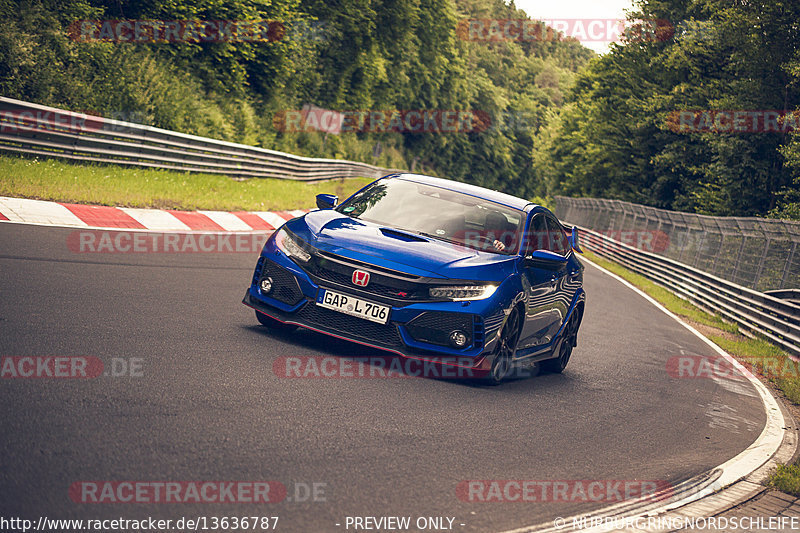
(290, 245)
(462, 292)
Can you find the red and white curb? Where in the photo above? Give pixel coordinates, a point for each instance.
(39, 212)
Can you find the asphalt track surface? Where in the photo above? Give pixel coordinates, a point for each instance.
(209, 406)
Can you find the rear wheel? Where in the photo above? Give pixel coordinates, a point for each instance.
(558, 364)
(503, 362)
(274, 324)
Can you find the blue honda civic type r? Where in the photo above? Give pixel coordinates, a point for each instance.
(429, 269)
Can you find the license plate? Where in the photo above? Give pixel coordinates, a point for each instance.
(353, 306)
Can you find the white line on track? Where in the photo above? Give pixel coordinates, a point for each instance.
(733, 470)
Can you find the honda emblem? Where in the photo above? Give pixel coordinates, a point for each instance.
(360, 278)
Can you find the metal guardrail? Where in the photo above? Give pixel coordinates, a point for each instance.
(47, 131)
(793, 295)
(759, 253)
(776, 319)
(40, 130)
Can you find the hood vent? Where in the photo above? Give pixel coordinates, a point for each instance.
(402, 235)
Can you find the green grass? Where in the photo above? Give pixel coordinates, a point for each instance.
(786, 478)
(52, 179)
(757, 354)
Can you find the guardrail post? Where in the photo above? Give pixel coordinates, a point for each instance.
(718, 252)
(760, 268)
(77, 141)
(787, 266)
(685, 242)
(700, 245)
(738, 259)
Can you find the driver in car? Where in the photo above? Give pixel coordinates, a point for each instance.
(495, 228)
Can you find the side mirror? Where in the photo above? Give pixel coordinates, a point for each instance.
(573, 240)
(545, 259)
(327, 201)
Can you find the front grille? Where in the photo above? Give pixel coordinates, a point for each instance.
(434, 327)
(284, 285)
(381, 285)
(385, 335)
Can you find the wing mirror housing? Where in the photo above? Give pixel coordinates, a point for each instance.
(327, 201)
(545, 259)
(573, 240)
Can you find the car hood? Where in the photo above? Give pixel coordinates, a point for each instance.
(330, 231)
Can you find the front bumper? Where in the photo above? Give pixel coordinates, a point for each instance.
(412, 330)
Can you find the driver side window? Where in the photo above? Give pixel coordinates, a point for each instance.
(558, 239)
(538, 238)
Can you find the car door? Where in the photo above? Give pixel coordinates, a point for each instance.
(543, 314)
(563, 278)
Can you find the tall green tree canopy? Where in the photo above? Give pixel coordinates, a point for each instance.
(615, 137)
(358, 55)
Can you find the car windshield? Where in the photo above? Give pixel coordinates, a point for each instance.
(439, 213)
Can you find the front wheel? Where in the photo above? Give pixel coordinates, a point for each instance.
(274, 324)
(503, 362)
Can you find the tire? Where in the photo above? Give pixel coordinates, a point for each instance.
(570, 340)
(502, 365)
(271, 323)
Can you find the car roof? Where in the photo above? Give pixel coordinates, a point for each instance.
(466, 188)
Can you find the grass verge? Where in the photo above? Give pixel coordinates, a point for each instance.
(761, 357)
(786, 478)
(52, 179)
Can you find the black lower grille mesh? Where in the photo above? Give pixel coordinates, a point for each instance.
(352, 327)
(284, 285)
(435, 327)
